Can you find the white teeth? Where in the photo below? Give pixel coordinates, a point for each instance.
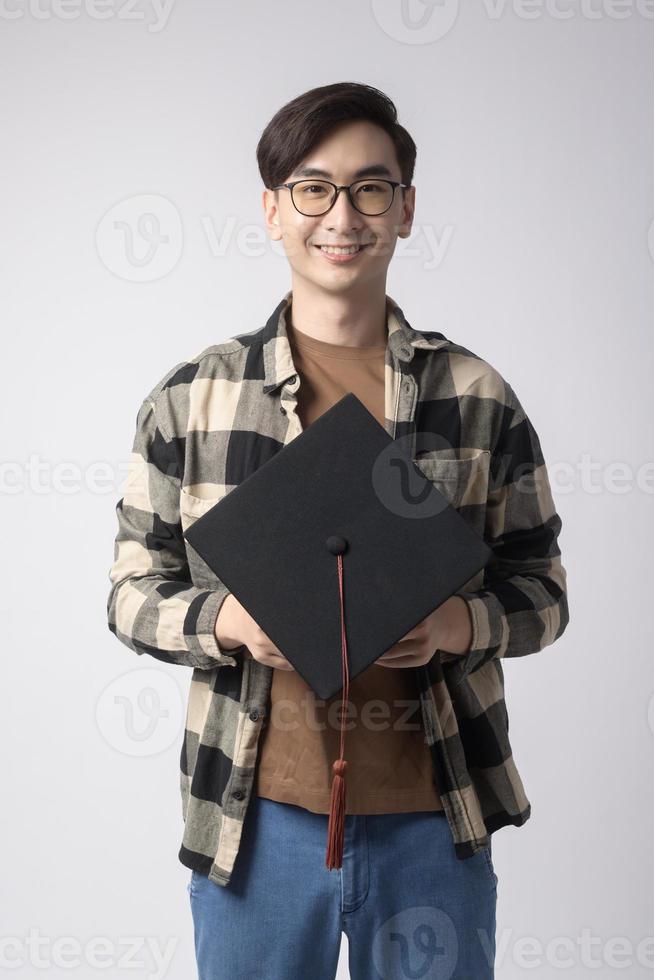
(334, 250)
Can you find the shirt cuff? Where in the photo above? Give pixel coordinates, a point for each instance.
(487, 618)
(202, 642)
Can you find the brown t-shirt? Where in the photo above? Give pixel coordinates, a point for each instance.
(389, 763)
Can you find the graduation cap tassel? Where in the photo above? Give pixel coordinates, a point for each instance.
(336, 827)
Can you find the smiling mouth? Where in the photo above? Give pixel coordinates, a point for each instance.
(341, 249)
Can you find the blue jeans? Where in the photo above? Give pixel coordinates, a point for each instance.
(408, 906)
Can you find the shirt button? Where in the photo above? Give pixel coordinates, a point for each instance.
(283, 410)
(254, 715)
(292, 379)
(238, 794)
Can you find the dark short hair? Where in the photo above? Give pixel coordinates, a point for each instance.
(301, 124)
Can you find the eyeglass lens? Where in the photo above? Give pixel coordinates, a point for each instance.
(313, 197)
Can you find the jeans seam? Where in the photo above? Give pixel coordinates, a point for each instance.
(489, 864)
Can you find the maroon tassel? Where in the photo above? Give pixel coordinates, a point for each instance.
(336, 826)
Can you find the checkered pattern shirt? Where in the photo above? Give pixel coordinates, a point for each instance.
(214, 419)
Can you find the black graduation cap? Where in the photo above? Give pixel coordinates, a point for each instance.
(338, 546)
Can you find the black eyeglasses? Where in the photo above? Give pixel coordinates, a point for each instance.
(313, 198)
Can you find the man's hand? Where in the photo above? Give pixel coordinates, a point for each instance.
(448, 628)
(234, 626)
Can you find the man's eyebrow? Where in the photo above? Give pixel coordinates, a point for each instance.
(373, 170)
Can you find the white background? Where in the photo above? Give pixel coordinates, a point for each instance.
(535, 181)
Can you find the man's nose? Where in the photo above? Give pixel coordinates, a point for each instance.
(342, 212)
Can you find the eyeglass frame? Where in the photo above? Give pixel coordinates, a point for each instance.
(342, 187)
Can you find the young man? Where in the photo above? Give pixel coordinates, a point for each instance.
(417, 885)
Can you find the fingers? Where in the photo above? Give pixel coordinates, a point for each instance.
(277, 660)
(400, 651)
(404, 654)
(398, 662)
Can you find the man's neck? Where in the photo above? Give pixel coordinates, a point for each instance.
(350, 319)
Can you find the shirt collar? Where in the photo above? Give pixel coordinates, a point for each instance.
(403, 341)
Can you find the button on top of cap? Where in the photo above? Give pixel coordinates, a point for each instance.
(336, 544)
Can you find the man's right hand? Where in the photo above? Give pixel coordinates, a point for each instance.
(234, 626)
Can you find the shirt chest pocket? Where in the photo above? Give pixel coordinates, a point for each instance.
(191, 507)
(462, 477)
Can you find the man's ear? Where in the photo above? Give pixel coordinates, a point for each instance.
(408, 210)
(271, 213)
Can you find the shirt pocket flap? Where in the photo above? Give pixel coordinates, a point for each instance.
(194, 505)
(461, 475)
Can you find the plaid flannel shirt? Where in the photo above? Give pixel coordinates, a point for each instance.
(214, 419)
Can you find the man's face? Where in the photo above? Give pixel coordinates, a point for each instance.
(353, 151)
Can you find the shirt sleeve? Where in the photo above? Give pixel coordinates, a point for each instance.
(523, 605)
(153, 606)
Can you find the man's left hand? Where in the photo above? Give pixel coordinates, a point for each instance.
(447, 628)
